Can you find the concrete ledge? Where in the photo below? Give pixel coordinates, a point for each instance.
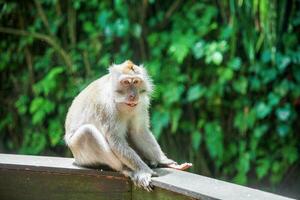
(41, 177)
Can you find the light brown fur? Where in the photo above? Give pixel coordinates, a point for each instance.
(129, 67)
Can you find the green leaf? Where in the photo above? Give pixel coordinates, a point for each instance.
(282, 62)
(240, 178)
(198, 49)
(55, 132)
(225, 74)
(283, 129)
(227, 31)
(172, 93)
(268, 75)
(121, 27)
(21, 104)
(76, 4)
(241, 85)
(196, 140)
(283, 88)
(214, 140)
(255, 84)
(290, 153)
(276, 172)
(181, 44)
(284, 113)
(175, 115)
(49, 82)
(6, 122)
(245, 120)
(262, 110)
(266, 56)
(296, 74)
(235, 63)
(137, 30)
(159, 121)
(195, 92)
(213, 52)
(273, 99)
(103, 18)
(33, 143)
(179, 50)
(243, 164)
(88, 27)
(217, 58)
(259, 131)
(262, 168)
(40, 107)
(36, 104)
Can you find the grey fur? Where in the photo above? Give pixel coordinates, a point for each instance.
(102, 128)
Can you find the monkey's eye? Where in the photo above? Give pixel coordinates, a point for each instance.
(125, 82)
(142, 91)
(136, 81)
(119, 92)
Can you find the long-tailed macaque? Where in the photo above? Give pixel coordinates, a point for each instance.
(108, 123)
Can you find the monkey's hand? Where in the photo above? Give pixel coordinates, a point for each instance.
(143, 179)
(183, 166)
(166, 161)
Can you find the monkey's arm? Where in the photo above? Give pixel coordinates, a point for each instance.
(154, 153)
(126, 154)
(145, 142)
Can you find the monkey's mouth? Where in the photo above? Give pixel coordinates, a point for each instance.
(131, 104)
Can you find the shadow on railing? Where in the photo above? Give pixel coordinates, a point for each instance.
(39, 177)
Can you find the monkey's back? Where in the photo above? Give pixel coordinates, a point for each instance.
(82, 110)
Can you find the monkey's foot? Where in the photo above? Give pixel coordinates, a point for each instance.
(183, 166)
(143, 180)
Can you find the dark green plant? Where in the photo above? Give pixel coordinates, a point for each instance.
(227, 76)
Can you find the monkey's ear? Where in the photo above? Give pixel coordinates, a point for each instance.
(147, 79)
(115, 69)
(144, 71)
(112, 69)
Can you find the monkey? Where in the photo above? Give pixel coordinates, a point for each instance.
(108, 124)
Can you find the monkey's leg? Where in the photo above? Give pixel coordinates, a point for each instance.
(90, 147)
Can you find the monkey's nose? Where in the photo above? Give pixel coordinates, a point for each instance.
(131, 97)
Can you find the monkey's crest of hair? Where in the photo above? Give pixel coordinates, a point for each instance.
(128, 68)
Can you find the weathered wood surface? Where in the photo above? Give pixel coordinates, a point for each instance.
(15, 184)
(201, 187)
(39, 177)
(158, 193)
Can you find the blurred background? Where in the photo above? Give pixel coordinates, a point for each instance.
(227, 76)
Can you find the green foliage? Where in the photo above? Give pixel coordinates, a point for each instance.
(227, 76)
(214, 141)
(195, 92)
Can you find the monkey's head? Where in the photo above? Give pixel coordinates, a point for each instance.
(131, 85)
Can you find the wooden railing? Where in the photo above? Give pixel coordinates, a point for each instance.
(54, 178)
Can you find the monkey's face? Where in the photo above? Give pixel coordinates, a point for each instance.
(130, 90)
(132, 85)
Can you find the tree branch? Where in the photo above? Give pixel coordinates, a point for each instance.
(72, 24)
(86, 63)
(65, 56)
(169, 13)
(28, 57)
(41, 13)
